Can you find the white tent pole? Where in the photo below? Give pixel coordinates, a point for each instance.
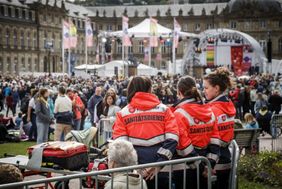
(123, 57)
(150, 54)
(86, 49)
(173, 54)
(63, 48)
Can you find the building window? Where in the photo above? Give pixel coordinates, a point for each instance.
(8, 64)
(23, 14)
(15, 38)
(29, 63)
(247, 24)
(1, 64)
(83, 24)
(28, 39)
(185, 27)
(280, 45)
(209, 25)
(23, 65)
(109, 28)
(36, 64)
(280, 24)
(197, 27)
(2, 10)
(17, 13)
(22, 39)
(20, 13)
(9, 11)
(263, 24)
(44, 17)
(53, 40)
(119, 48)
(45, 39)
(78, 23)
(262, 44)
(130, 50)
(30, 15)
(141, 47)
(26, 15)
(1, 38)
(233, 24)
(7, 37)
(101, 27)
(34, 40)
(119, 27)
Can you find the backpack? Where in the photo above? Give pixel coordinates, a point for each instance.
(24, 105)
(123, 102)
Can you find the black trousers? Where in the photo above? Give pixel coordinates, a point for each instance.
(191, 179)
(163, 181)
(222, 181)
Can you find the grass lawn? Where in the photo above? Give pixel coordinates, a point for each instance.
(15, 148)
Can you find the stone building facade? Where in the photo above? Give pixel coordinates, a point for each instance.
(26, 26)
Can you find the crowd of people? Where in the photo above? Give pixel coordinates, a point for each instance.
(162, 117)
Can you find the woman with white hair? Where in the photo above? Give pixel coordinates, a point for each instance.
(122, 154)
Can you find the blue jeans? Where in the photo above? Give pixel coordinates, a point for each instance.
(76, 124)
(42, 132)
(33, 128)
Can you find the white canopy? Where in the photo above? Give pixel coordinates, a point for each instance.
(143, 69)
(88, 66)
(142, 30)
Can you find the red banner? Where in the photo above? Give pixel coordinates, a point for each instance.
(237, 59)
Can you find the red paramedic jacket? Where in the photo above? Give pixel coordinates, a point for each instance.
(150, 126)
(225, 112)
(197, 130)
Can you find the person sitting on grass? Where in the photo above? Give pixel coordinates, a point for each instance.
(251, 122)
(10, 174)
(19, 121)
(122, 154)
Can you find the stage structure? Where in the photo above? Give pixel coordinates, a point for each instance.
(224, 47)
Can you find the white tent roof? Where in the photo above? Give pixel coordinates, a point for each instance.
(143, 66)
(142, 30)
(89, 66)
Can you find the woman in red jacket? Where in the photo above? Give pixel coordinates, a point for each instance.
(149, 126)
(215, 85)
(198, 134)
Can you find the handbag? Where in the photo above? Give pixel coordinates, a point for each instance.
(64, 117)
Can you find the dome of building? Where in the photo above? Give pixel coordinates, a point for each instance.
(262, 5)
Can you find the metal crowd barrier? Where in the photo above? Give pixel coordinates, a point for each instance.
(235, 155)
(96, 175)
(276, 125)
(104, 131)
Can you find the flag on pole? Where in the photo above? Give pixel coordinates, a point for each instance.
(176, 33)
(88, 33)
(66, 33)
(153, 32)
(73, 35)
(126, 39)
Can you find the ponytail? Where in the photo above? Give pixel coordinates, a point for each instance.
(187, 86)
